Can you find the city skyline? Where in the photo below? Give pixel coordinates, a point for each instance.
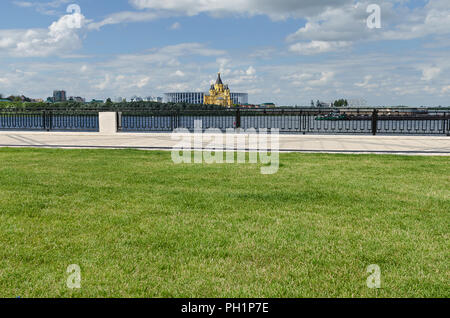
(284, 52)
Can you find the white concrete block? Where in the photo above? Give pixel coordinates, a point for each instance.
(107, 122)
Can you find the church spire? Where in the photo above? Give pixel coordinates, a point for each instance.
(219, 80)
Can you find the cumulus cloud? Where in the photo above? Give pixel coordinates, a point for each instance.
(331, 26)
(315, 47)
(346, 23)
(157, 9)
(433, 19)
(279, 9)
(367, 83)
(250, 71)
(284, 83)
(124, 17)
(23, 4)
(48, 7)
(325, 78)
(445, 89)
(62, 36)
(430, 73)
(179, 73)
(336, 27)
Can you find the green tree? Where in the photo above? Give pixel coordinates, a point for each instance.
(340, 103)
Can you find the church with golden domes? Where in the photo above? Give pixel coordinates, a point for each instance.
(219, 94)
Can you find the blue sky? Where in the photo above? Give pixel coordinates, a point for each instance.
(286, 51)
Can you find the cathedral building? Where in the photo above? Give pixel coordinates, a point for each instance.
(219, 94)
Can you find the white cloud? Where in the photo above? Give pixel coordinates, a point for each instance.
(367, 78)
(142, 82)
(366, 83)
(433, 19)
(179, 73)
(445, 89)
(23, 4)
(175, 26)
(61, 36)
(104, 83)
(250, 71)
(430, 73)
(325, 78)
(331, 26)
(300, 82)
(315, 47)
(48, 7)
(343, 25)
(124, 17)
(335, 28)
(279, 9)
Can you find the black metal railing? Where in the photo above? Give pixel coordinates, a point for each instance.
(167, 121)
(304, 121)
(49, 120)
(295, 120)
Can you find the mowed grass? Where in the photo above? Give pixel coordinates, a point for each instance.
(140, 226)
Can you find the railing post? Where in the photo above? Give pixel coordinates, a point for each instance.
(46, 120)
(50, 121)
(44, 125)
(447, 121)
(445, 124)
(174, 118)
(238, 118)
(374, 122)
(119, 121)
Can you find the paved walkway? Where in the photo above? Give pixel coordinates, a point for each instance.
(412, 145)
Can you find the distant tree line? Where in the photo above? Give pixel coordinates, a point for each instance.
(108, 105)
(13, 98)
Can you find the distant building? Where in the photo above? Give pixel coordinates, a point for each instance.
(59, 96)
(77, 99)
(199, 97)
(357, 103)
(323, 104)
(184, 97)
(136, 99)
(219, 94)
(98, 101)
(37, 100)
(154, 99)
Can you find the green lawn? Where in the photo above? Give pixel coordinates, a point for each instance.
(140, 226)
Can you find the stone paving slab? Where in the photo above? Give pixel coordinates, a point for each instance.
(412, 145)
